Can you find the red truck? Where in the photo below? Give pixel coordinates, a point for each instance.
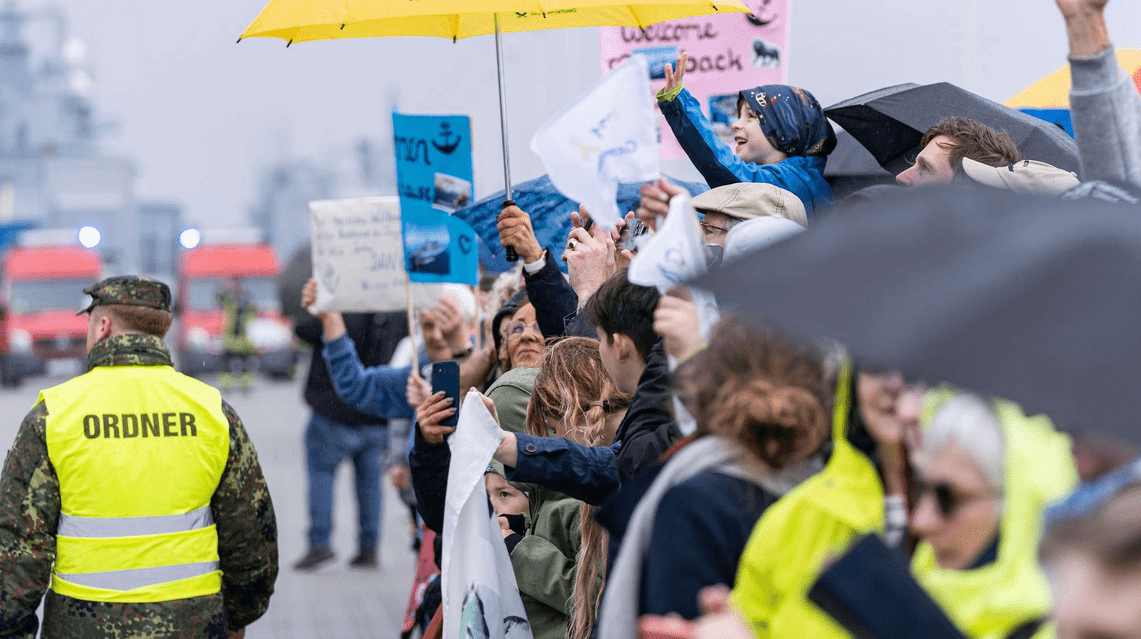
(41, 288)
(208, 269)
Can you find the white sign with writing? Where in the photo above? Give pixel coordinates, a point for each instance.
(358, 257)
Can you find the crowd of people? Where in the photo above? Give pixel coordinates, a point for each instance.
(651, 481)
(653, 478)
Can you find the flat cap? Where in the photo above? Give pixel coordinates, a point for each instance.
(129, 290)
(748, 200)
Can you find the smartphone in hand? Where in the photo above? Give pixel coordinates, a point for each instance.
(627, 238)
(446, 378)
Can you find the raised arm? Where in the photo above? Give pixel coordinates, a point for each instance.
(1104, 104)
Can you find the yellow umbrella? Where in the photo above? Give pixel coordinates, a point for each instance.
(305, 20)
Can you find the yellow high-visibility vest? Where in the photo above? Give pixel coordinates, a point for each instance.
(139, 451)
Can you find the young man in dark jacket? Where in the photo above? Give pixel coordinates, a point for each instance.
(622, 314)
(337, 430)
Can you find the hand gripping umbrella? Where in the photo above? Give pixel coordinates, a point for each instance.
(305, 20)
(890, 123)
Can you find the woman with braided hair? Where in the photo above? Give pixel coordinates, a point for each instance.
(762, 410)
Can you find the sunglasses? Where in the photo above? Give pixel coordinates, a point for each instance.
(947, 499)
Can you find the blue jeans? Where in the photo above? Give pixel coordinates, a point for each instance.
(327, 443)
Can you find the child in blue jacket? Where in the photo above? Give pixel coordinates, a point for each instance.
(781, 133)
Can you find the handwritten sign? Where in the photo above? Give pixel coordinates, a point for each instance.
(434, 178)
(727, 53)
(358, 257)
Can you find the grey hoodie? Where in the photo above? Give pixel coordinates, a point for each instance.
(1106, 111)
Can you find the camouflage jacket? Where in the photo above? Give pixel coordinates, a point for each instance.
(29, 514)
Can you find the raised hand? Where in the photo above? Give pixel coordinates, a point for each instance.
(676, 321)
(656, 201)
(309, 296)
(589, 257)
(515, 230)
(430, 413)
(676, 73)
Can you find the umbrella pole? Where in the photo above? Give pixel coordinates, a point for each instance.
(511, 255)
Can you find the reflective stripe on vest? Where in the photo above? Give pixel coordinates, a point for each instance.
(137, 469)
(71, 526)
(141, 577)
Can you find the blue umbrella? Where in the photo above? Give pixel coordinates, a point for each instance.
(550, 213)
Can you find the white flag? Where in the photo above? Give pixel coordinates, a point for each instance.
(480, 595)
(669, 257)
(608, 136)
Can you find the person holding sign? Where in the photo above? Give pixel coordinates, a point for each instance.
(781, 133)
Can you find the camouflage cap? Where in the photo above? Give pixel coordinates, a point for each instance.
(131, 290)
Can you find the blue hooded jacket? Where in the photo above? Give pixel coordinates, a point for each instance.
(800, 174)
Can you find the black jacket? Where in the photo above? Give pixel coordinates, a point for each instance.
(376, 336)
(649, 428)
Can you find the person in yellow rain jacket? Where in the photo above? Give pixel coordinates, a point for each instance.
(984, 478)
(813, 523)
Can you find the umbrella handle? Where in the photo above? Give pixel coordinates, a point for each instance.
(509, 251)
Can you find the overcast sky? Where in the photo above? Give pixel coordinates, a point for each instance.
(201, 115)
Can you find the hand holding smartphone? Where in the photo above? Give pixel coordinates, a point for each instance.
(446, 378)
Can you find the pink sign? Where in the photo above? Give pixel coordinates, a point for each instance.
(727, 53)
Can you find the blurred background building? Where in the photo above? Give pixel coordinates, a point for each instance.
(54, 172)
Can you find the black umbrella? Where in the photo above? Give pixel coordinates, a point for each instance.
(851, 168)
(890, 122)
(1036, 300)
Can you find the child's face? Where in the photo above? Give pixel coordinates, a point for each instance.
(752, 145)
(505, 498)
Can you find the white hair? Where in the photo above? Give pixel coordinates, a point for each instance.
(464, 299)
(756, 234)
(971, 424)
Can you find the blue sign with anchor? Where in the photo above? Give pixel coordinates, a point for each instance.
(434, 179)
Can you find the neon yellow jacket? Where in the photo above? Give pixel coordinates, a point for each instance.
(992, 601)
(813, 523)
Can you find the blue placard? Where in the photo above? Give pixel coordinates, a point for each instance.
(434, 178)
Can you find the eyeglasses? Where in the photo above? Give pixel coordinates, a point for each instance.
(516, 328)
(947, 498)
(717, 230)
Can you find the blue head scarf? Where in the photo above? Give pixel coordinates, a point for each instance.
(791, 119)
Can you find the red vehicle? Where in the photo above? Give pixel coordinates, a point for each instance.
(207, 270)
(40, 292)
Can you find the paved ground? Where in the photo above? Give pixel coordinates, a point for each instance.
(335, 601)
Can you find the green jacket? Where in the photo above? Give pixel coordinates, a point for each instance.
(511, 393)
(545, 561)
(29, 515)
(812, 524)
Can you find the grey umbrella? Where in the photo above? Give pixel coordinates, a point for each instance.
(890, 122)
(1036, 300)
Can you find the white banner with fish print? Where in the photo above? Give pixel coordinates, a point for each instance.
(358, 257)
(606, 137)
(480, 594)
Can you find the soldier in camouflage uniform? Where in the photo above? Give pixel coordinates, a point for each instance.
(31, 502)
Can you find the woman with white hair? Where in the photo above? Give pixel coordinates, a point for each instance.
(984, 475)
